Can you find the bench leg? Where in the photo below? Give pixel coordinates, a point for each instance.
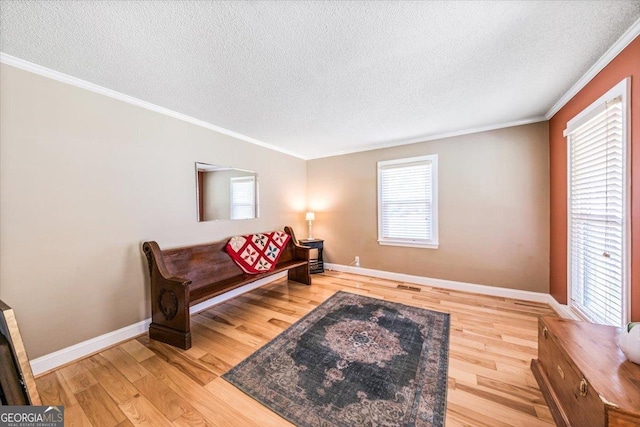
(300, 274)
(170, 336)
(170, 314)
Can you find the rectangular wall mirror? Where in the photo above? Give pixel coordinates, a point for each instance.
(225, 193)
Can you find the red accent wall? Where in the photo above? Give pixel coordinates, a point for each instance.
(626, 64)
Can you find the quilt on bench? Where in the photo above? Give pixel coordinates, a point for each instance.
(257, 253)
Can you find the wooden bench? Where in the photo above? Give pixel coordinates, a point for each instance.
(183, 277)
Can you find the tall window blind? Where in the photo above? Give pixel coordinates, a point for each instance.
(597, 214)
(407, 202)
(243, 197)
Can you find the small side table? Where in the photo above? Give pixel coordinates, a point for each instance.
(316, 265)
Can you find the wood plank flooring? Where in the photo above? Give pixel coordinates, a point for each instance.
(146, 383)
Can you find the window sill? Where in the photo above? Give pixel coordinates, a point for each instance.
(431, 245)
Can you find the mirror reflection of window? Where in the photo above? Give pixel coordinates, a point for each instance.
(225, 193)
(243, 201)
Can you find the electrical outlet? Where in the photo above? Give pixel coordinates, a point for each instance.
(357, 261)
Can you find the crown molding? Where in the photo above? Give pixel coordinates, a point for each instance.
(608, 56)
(74, 81)
(369, 147)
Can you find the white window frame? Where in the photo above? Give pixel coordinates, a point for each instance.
(432, 243)
(232, 205)
(621, 89)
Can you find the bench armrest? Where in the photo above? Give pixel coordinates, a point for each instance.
(156, 261)
(301, 252)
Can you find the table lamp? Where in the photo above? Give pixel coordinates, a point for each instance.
(310, 217)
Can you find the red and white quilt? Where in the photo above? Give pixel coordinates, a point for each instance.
(257, 253)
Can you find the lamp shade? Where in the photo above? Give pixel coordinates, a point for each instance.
(311, 216)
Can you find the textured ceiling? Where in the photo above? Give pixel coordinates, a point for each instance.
(322, 78)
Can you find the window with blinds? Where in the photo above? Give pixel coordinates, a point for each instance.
(598, 210)
(408, 202)
(243, 197)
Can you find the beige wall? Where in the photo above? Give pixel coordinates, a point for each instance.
(493, 209)
(84, 180)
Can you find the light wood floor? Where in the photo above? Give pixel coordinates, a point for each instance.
(143, 382)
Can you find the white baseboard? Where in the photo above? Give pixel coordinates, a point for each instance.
(445, 284)
(78, 351)
(562, 309)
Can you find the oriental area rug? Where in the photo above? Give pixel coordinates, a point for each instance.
(354, 361)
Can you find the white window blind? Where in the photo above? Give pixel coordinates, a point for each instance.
(407, 202)
(597, 213)
(243, 197)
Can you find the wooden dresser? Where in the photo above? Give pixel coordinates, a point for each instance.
(584, 376)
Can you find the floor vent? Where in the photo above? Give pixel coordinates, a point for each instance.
(408, 288)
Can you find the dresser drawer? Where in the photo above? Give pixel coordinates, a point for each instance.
(582, 405)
